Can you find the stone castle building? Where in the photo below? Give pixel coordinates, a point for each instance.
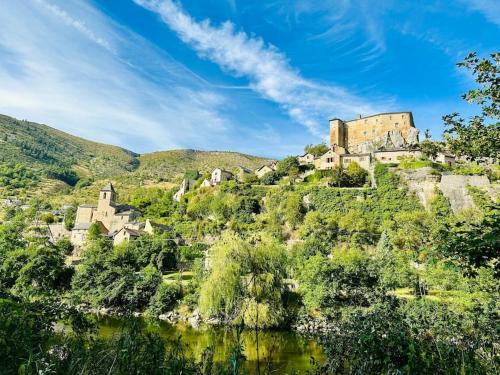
(384, 137)
(371, 133)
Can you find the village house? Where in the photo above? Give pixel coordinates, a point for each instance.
(242, 173)
(265, 169)
(220, 175)
(133, 231)
(306, 159)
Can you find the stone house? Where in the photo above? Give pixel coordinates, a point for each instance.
(126, 234)
(206, 183)
(220, 175)
(306, 159)
(242, 172)
(265, 169)
(133, 231)
(394, 156)
(444, 158)
(328, 160)
(80, 232)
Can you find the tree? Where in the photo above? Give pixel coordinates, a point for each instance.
(289, 166)
(478, 138)
(245, 282)
(316, 150)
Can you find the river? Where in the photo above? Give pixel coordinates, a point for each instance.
(285, 352)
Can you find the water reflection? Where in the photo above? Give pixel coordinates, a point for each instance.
(283, 352)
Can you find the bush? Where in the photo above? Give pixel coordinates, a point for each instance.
(270, 178)
(165, 299)
(47, 218)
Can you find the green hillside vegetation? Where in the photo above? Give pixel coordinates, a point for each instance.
(42, 146)
(167, 165)
(36, 159)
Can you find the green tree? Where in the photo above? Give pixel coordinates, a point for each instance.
(245, 282)
(289, 166)
(316, 150)
(479, 136)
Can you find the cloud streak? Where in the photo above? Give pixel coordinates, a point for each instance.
(267, 69)
(68, 65)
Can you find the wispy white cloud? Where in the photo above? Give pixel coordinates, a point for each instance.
(68, 65)
(490, 9)
(269, 72)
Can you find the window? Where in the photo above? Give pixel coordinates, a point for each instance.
(382, 158)
(104, 195)
(397, 124)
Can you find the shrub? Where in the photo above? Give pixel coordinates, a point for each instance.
(270, 178)
(164, 299)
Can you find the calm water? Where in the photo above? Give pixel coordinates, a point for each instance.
(286, 352)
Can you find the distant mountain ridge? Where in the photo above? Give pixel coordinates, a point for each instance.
(41, 146)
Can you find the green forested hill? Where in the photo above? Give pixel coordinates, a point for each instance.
(36, 158)
(41, 145)
(169, 164)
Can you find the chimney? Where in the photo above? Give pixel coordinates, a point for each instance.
(359, 116)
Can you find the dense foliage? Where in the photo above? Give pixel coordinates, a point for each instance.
(478, 137)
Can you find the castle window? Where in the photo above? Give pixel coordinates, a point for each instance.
(397, 124)
(364, 132)
(104, 195)
(383, 158)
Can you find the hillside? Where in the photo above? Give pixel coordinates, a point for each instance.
(32, 143)
(169, 164)
(48, 160)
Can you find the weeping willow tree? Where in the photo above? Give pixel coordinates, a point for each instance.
(245, 282)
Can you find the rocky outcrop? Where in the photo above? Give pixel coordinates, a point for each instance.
(392, 140)
(454, 187)
(422, 182)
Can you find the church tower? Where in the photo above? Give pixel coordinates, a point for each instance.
(107, 197)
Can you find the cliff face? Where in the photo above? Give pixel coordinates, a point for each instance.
(423, 183)
(454, 187)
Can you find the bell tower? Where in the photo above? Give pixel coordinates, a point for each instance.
(107, 197)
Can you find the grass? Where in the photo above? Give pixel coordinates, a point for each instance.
(173, 277)
(457, 299)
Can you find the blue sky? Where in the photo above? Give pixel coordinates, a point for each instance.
(261, 77)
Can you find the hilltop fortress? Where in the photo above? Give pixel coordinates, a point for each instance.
(367, 134)
(384, 137)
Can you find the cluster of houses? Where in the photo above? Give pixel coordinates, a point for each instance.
(119, 222)
(384, 138)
